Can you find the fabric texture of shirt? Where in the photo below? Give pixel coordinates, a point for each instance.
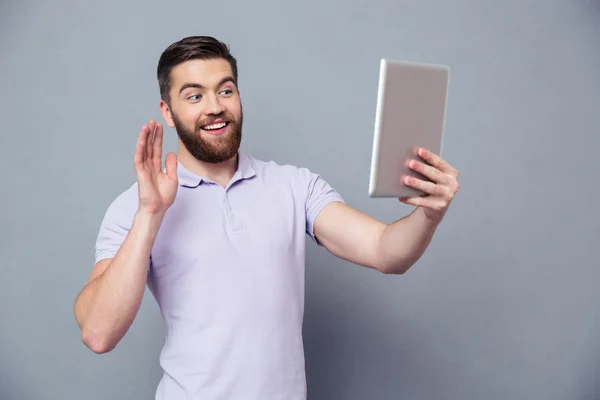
(227, 271)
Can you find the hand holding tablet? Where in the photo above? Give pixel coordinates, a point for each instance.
(408, 138)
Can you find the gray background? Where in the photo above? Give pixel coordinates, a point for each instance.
(501, 306)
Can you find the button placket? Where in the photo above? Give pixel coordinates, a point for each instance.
(231, 218)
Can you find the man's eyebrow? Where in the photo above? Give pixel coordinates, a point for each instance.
(190, 85)
(225, 80)
(199, 86)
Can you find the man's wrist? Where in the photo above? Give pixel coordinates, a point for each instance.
(148, 220)
(430, 219)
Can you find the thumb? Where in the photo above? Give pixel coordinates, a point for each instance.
(171, 165)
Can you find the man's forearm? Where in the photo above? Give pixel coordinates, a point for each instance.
(402, 243)
(107, 306)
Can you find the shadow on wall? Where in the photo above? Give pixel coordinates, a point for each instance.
(356, 338)
(593, 377)
(360, 346)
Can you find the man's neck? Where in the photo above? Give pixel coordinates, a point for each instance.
(220, 173)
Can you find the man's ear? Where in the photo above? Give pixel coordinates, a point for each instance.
(166, 112)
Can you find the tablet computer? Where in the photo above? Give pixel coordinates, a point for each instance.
(410, 113)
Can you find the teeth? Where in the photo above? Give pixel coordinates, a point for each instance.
(214, 126)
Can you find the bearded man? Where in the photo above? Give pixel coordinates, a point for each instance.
(219, 238)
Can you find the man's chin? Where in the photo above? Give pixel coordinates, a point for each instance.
(218, 157)
(216, 150)
(207, 147)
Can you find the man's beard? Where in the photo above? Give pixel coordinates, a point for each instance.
(216, 149)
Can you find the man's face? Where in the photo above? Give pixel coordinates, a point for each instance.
(205, 109)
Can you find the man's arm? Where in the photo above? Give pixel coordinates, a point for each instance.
(108, 304)
(394, 248)
(360, 239)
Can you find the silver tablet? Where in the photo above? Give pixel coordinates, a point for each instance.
(410, 113)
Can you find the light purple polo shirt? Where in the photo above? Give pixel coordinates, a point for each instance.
(227, 270)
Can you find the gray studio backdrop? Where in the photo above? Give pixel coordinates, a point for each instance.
(505, 303)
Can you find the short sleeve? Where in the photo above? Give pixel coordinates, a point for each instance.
(318, 195)
(116, 224)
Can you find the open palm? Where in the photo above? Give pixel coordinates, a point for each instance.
(157, 188)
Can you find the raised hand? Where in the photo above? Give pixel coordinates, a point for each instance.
(157, 189)
(440, 191)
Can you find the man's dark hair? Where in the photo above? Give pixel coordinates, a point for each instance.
(191, 48)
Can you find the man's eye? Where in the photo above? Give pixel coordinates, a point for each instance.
(194, 97)
(227, 92)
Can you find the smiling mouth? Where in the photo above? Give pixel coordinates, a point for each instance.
(214, 127)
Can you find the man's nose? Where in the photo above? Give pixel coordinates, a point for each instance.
(214, 106)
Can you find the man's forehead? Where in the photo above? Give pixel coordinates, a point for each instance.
(205, 72)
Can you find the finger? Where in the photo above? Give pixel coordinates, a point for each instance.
(428, 171)
(425, 202)
(150, 140)
(158, 143)
(437, 162)
(426, 187)
(140, 149)
(171, 165)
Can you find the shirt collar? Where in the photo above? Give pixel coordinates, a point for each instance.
(189, 179)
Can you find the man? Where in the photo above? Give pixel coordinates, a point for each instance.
(219, 238)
